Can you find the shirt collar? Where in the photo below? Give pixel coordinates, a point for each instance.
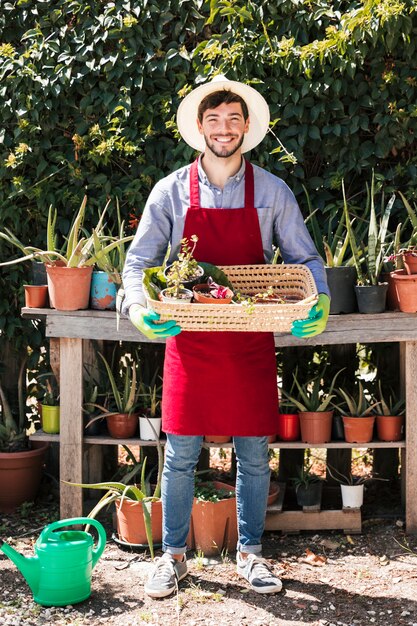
(202, 176)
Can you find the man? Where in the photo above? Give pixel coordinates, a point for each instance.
(238, 211)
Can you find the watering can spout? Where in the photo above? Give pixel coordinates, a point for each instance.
(29, 567)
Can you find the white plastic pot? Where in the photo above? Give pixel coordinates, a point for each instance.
(145, 431)
(352, 496)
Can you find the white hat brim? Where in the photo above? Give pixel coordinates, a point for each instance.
(257, 107)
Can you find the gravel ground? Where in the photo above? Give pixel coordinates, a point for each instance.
(346, 580)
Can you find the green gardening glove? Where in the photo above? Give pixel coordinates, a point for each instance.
(316, 321)
(146, 321)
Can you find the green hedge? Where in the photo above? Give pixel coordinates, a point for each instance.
(89, 92)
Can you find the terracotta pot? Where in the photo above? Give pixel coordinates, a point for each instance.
(201, 293)
(371, 298)
(214, 524)
(316, 426)
(272, 438)
(20, 476)
(130, 523)
(36, 296)
(358, 429)
(50, 419)
(392, 296)
(390, 427)
(406, 291)
(288, 427)
(273, 493)
(410, 263)
(69, 287)
(122, 425)
(217, 438)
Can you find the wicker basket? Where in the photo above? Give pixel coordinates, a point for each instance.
(294, 282)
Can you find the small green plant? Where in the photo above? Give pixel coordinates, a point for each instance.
(183, 269)
(388, 404)
(312, 396)
(150, 399)
(49, 389)
(207, 491)
(305, 477)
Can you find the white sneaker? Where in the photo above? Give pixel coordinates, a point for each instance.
(259, 575)
(165, 576)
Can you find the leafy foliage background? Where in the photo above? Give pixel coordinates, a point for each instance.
(89, 92)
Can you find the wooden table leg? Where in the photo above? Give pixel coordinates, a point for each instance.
(71, 426)
(411, 436)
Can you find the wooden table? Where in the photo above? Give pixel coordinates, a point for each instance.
(74, 329)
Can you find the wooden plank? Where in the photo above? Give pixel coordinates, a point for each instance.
(71, 426)
(411, 436)
(359, 328)
(348, 520)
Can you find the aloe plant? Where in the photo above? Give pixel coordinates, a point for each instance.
(78, 250)
(358, 404)
(313, 396)
(124, 491)
(389, 404)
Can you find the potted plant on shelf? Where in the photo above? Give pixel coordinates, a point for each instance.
(150, 413)
(49, 403)
(313, 401)
(389, 416)
(288, 427)
(351, 487)
(308, 487)
(357, 415)
(182, 274)
(369, 256)
(213, 525)
(120, 407)
(138, 507)
(21, 461)
(404, 278)
(70, 267)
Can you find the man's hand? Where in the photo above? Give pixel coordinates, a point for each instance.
(145, 321)
(316, 321)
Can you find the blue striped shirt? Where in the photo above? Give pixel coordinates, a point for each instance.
(162, 223)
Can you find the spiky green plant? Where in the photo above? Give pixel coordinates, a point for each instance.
(313, 395)
(357, 405)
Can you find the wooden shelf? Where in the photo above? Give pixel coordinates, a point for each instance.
(105, 440)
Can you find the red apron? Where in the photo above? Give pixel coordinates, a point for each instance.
(221, 383)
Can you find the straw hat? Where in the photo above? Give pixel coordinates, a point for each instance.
(257, 107)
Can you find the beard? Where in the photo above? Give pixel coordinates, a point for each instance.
(223, 151)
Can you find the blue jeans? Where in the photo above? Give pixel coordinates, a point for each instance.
(252, 486)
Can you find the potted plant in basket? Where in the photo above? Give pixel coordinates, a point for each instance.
(21, 461)
(313, 401)
(308, 487)
(357, 415)
(389, 415)
(182, 274)
(120, 407)
(69, 268)
(138, 507)
(369, 256)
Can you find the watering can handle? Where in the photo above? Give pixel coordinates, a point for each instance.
(74, 521)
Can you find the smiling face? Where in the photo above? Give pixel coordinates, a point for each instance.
(224, 128)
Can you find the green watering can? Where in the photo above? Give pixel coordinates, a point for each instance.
(60, 572)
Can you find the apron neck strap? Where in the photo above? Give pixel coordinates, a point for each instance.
(249, 186)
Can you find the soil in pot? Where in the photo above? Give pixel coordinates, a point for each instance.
(316, 426)
(201, 294)
(185, 296)
(122, 425)
(358, 429)
(371, 298)
(390, 427)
